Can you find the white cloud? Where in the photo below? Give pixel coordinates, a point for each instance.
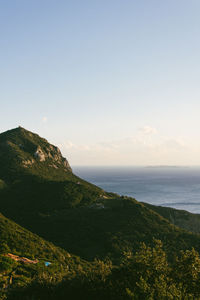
(175, 144)
(147, 147)
(148, 130)
(67, 145)
(44, 119)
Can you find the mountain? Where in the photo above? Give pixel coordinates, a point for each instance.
(33, 169)
(23, 152)
(40, 192)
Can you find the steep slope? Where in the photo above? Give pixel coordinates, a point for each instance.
(25, 153)
(23, 256)
(35, 171)
(20, 241)
(180, 218)
(76, 215)
(106, 228)
(39, 190)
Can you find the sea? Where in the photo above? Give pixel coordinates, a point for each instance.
(176, 187)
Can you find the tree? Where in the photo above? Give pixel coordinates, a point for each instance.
(187, 271)
(150, 275)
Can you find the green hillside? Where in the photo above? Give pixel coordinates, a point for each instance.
(180, 218)
(20, 243)
(34, 194)
(94, 228)
(40, 192)
(106, 228)
(147, 274)
(72, 213)
(35, 170)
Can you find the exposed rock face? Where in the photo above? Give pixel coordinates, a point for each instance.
(39, 154)
(52, 154)
(28, 162)
(23, 150)
(66, 164)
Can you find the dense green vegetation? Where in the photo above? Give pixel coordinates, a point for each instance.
(20, 242)
(2, 184)
(35, 194)
(180, 218)
(39, 191)
(147, 274)
(107, 230)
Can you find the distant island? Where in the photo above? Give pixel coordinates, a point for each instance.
(166, 167)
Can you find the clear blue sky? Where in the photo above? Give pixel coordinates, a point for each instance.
(111, 82)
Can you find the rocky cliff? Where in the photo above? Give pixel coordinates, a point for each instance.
(22, 151)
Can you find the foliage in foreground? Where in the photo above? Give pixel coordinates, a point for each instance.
(148, 274)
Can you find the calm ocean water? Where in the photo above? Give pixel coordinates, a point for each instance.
(174, 187)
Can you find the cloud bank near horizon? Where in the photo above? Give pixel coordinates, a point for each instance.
(146, 147)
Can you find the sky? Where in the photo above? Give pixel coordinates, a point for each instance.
(111, 82)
